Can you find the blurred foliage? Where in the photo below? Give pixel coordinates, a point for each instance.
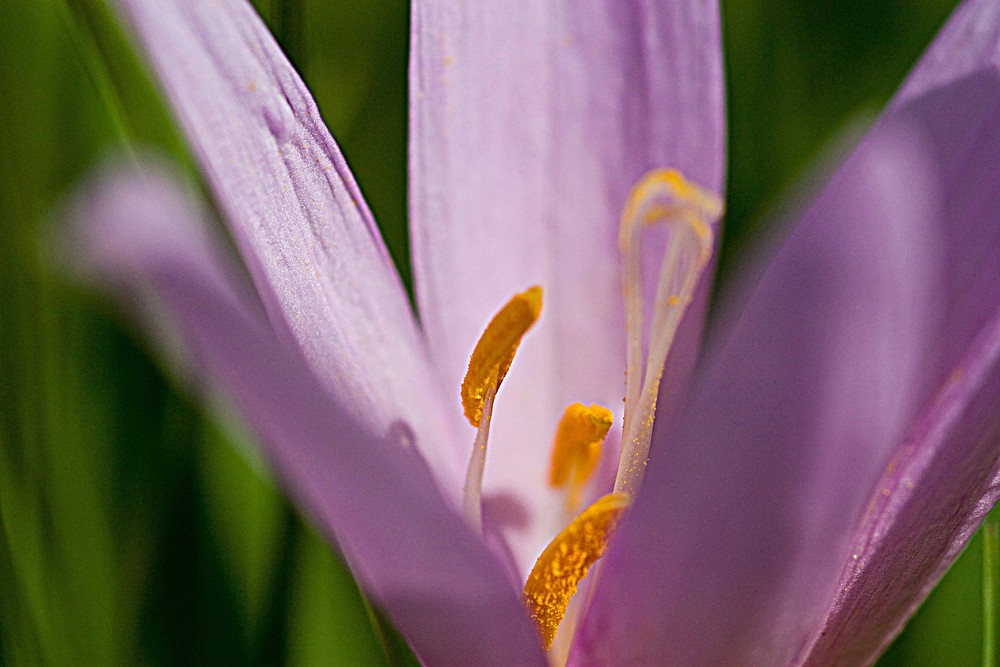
(135, 529)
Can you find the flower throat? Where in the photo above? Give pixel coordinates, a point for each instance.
(661, 197)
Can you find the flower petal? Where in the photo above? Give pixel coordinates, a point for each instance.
(530, 122)
(968, 44)
(943, 478)
(368, 490)
(733, 548)
(930, 500)
(296, 215)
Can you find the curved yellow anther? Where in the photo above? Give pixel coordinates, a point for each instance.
(495, 350)
(565, 562)
(577, 447)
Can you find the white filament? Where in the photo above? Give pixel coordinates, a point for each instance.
(472, 498)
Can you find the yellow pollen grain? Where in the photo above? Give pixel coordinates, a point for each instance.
(577, 446)
(565, 562)
(495, 350)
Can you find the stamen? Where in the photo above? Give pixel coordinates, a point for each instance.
(490, 361)
(577, 448)
(495, 350)
(688, 211)
(565, 562)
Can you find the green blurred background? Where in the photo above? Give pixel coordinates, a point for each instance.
(135, 528)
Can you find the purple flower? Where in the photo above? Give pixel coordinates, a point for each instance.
(808, 484)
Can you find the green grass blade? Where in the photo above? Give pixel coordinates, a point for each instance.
(991, 556)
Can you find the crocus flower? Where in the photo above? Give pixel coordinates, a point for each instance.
(808, 481)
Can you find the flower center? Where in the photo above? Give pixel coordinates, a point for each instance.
(687, 212)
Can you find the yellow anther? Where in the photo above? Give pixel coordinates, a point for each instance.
(577, 447)
(565, 562)
(495, 350)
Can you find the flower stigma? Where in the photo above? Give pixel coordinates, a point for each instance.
(661, 197)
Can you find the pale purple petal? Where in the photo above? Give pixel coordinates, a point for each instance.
(927, 506)
(969, 44)
(296, 215)
(734, 546)
(530, 121)
(368, 490)
(944, 477)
